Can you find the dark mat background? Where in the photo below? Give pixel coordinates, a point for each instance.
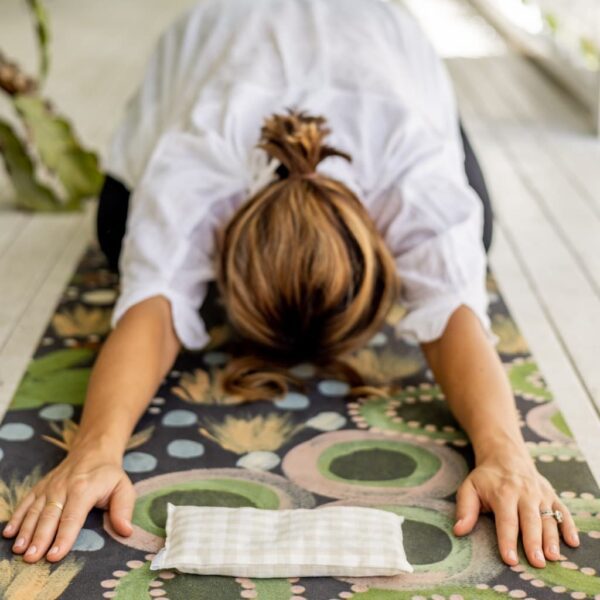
(195, 445)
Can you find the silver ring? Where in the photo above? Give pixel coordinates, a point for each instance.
(557, 514)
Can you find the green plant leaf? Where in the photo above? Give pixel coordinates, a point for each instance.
(57, 377)
(59, 360)
(60, 150)
(30, 194)
(67, 387)
(40, 17)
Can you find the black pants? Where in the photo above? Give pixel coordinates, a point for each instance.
(114, 201)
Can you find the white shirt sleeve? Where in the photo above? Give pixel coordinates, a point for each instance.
(176, 64)
(432, 221)
(168, 244)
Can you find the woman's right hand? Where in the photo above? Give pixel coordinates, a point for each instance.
(83, 480)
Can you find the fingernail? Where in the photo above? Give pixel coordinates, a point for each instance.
(512, 555)
(31, 550)
(576, 538)
(539, 555)
(9, 528)
(54, 550)
(20, 541)
(458, 522)
(554, 548)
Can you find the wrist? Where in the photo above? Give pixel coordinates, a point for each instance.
(99, 445)
(500, 445)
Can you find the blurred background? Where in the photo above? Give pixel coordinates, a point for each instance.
(526, 74)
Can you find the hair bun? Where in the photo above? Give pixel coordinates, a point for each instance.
(296, 140)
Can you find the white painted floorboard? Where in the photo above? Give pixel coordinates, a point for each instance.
(40, 301)
(523, 302)
(569, 294)
(540, 160)
(537, 150)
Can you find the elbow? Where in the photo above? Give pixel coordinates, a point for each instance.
(152, 317)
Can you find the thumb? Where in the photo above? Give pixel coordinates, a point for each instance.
(467, 508)
(121, 507)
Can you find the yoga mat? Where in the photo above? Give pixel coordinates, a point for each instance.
(194, 445)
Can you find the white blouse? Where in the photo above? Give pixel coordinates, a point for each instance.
(186, 148)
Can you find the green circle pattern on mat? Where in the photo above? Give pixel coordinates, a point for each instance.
(548, 422)
(564, 466)
(375, 467)
(421, 412)
(378, 463)
(573, 577)
(140, 580)
(549, 452)
(203, 487)
(444, 591)
(429, 543)
(586, 513)
(558, 420)
(437, 555)
(563, 576)
(526, 380)
(150, 510)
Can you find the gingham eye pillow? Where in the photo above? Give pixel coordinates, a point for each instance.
(253, 542)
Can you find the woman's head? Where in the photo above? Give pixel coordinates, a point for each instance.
(303, 273)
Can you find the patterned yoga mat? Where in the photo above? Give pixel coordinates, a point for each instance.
(196, 446)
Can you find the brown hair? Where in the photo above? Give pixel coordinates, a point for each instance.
(302, 271)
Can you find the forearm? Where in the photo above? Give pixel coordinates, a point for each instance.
(475, 384)
(129, 368)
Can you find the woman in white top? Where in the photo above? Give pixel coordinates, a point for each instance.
(309, 240)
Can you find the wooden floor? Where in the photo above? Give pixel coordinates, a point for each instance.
(534, 142)
(540, 159)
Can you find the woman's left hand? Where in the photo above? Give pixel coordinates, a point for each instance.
(510, 485)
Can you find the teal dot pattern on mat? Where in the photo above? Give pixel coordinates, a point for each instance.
(88, 540)
(293, 401)
(57, 412)
(179, 418)
(139, 462)
(16, 432)
(315, 444)
(185, 449)
(333, 387)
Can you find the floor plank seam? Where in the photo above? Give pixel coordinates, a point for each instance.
(527, 273)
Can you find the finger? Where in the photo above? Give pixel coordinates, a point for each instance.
(467, 508)
(29, 524)
(78, 505)
(16, 518)
(121, 507)
(567, 527)
(44, 531)
(507, 527)
(531, 531)
(550, 534)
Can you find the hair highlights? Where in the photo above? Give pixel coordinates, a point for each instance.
(302, 270)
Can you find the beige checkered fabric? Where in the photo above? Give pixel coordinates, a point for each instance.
(253, 542)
